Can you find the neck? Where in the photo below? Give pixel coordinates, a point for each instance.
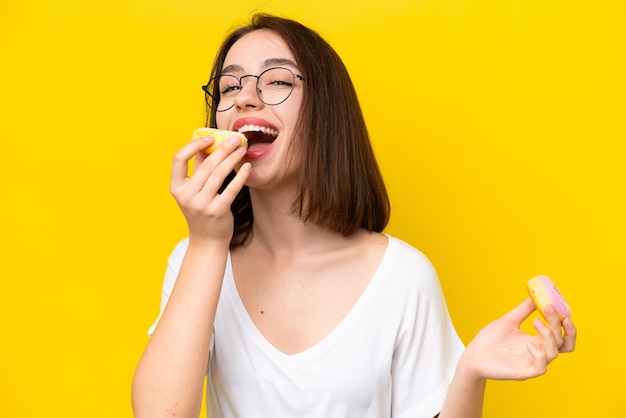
(279, 232)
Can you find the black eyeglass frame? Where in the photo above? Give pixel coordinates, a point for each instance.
(208, 96)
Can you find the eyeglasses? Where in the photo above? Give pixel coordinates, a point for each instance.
(273, 87)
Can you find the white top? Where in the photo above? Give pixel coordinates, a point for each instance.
(393, 355)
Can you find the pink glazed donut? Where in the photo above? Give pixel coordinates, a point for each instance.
(543, 292)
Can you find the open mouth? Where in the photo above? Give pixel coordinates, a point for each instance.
(258, 135)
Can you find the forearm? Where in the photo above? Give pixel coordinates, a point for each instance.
(465, 394)
(170, 375)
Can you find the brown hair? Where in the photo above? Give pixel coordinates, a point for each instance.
(340, 186)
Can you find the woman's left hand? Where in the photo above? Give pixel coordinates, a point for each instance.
(502, 351)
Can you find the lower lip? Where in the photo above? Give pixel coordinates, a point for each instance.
(258, 151)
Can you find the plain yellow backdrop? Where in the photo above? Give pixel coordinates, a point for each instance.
(499, 126)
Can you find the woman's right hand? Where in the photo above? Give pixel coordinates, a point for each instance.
(208, 212)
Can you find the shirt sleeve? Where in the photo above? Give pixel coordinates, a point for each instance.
(174, 262)
(427, 347)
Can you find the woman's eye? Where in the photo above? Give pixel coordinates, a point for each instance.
(280, 83)
(229, 89)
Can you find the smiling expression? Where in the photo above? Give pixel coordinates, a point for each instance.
(269, 129)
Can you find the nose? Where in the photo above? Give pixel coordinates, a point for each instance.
(248, 95)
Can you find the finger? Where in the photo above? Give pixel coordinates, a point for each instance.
(222, 201)
(222, 142)
(569, 337)
(540, 365)
(548, 340)
(198, 160)
(222, 152)
(180, 165)
(221, 171)
(211, 170)
(521, 312)
(236, 184)
(201, 156)
(226, 147)
(554, 322)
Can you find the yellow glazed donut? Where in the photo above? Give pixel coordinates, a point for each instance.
(219, 136)
(543, 292)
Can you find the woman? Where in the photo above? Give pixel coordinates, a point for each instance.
(286, 294)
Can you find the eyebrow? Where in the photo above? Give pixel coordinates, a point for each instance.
(268, 63)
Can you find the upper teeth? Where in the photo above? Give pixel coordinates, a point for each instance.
(256, 128)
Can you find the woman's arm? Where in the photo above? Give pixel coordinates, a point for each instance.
(170, 375)
(465, 395)
(501, 351)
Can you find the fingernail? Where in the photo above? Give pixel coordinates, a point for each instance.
(234, 140)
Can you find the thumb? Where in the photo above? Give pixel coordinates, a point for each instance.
(521, 312)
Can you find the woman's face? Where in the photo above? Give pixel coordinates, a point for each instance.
(269, 128)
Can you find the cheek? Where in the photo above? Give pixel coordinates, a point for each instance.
(221, 120)
(292, 112)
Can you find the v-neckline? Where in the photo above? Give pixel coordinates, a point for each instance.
(329, 338)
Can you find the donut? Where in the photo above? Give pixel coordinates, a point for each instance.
(219, 136)
(544, 292)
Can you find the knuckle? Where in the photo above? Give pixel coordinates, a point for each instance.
(179, 157)
(542, 369)
(175, 192)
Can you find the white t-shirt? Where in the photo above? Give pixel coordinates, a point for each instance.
(393, 355)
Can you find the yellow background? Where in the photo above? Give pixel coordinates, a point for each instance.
(499, 126)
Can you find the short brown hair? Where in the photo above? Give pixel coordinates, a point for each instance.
(340, 185)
